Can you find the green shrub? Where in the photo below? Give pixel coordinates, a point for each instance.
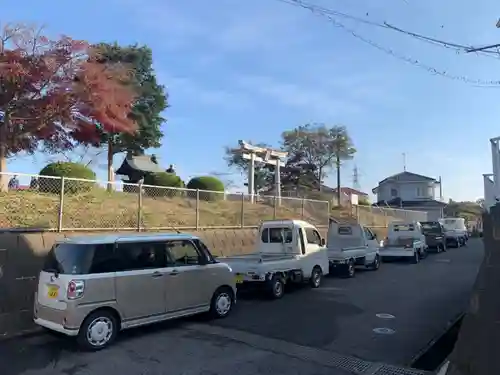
(165, 180)
(207, 184)
(68, 170)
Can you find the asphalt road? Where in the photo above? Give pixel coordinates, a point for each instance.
(309, 332)
(341, 315)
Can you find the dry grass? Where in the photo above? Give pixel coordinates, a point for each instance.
(100, 209)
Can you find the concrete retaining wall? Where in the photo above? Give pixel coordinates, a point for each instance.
(21, 257)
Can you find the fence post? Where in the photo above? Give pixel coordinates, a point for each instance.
(139, 208)
(242, 213)
(274, 208)
(302, 208)
(61, 206)
(197, 209)
(328, 214)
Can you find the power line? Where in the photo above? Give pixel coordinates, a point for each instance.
(389, 51)
(385, 25)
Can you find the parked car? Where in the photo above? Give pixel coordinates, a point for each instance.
(288, 251)
(94, 286)
(456, 231)
(351, 245)
(404, 240)
(435, 235)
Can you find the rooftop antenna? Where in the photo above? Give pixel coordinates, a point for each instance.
(404, 161)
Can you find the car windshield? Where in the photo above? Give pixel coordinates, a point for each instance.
(430, 227)
(69, 259)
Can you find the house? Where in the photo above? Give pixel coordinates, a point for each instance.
(346, 194)
(411, 191)
(135, 167)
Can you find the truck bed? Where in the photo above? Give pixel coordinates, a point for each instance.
(257, 257)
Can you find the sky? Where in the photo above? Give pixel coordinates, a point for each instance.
(251, 69)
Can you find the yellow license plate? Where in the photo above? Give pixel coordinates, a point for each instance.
(239, 279)
(53, 291)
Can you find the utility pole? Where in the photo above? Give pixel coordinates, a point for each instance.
(404, 161)
(355, 178)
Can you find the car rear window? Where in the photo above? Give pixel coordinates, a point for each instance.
(70, 259)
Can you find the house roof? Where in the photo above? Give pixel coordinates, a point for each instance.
(349, 191)
(142, 163)
(407, 176)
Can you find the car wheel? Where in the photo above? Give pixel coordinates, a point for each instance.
(98, 330)
(376, 263)
(277, 287)
(222, 303)
(316, 277)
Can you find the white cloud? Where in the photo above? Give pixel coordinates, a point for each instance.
(190, 90)
(316, 100)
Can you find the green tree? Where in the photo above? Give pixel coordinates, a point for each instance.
(317, 148)
(150, 102)
(263, 172)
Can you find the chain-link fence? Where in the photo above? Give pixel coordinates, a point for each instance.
(54, 203)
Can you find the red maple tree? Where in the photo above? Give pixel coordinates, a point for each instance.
(56, 92)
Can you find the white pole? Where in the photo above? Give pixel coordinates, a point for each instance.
(277, 180)
(251, 177)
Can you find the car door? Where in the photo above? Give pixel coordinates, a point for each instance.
(140, 280)
(372, 245)
(189, 284)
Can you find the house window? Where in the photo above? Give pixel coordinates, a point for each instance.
(394, 193)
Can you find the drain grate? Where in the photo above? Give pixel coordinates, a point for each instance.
(393, 370)
(352, 364)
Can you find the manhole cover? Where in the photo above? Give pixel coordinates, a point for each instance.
(384, 331)
(385, 316)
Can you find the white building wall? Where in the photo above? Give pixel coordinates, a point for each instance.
(407, 191)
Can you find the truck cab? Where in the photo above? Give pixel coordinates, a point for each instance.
(295, 237)
(352, 245)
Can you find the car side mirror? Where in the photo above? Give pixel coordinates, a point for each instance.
(323, 242)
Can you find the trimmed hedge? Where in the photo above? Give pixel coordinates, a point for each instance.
(163, 180)
(209, 184)
(68, 170)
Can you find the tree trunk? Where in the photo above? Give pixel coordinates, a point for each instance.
(111, 172)
(338, 180)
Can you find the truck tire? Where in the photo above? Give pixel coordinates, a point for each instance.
(376, 263)
(276, 287)
(350, 269)
(316, 277)
(416, 257)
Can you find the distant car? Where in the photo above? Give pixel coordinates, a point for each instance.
(92, 287)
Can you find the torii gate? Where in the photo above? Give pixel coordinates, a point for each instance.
(263, 155)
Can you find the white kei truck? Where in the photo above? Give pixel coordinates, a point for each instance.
(288, 251)
(351, 245)
(404, 240)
